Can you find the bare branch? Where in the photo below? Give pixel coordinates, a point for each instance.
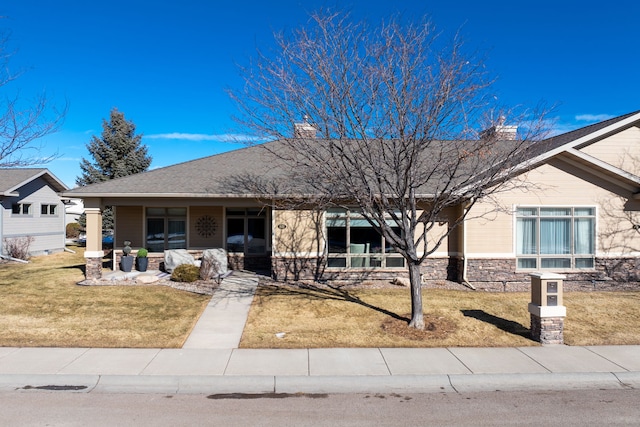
(406, 125)
(23, 123)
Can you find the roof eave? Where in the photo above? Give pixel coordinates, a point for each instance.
(620, 173)
(167, 195)
(583, 140)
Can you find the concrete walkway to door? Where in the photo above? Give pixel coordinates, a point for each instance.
(222, 321)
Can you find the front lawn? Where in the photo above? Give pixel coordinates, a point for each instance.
(315, 317)
(42, 306)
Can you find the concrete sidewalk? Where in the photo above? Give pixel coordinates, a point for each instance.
(222, 322)
(331, 370)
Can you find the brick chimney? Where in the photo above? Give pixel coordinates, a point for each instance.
(304, 130)
(501, 131)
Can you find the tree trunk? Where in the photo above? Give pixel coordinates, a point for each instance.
(417, 316)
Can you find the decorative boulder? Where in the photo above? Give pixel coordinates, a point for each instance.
(214, 263)
(176, 257)
(146, 279)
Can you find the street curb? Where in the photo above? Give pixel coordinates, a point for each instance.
(264, 384)
(364, 384)
(187, 384)
(50, 382)
(545, 381)
(629, 379)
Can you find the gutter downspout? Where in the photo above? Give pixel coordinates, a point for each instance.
(7, 257)
(465, 281)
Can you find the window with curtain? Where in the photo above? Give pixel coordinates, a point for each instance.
(353, 242)
(555, 237)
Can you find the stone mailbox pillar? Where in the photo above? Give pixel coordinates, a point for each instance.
(547, 311)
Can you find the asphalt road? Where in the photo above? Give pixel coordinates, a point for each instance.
(566, 408)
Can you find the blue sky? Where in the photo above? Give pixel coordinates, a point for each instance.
(166, 64)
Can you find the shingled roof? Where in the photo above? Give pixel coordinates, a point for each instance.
(13, 178)
(209, 176)
(204, 177)
(571, 139)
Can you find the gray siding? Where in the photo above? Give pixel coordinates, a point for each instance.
(48, 231)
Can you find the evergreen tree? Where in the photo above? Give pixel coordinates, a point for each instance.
(116, 153)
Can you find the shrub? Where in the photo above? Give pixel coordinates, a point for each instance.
(185, 273)
(73, 230)
(142, 252)
(209, 268)
(18, 247)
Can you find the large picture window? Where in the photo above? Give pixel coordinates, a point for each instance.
(166, 229)
(353, 243)
(555, 237)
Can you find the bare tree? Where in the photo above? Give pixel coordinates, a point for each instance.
(394, 119)
(22, 123)
(618, 234)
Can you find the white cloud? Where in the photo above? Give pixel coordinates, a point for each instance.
(558, 126)
(559, 129)
(593, 117)
(227, 137)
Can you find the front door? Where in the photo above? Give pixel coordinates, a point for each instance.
(247, 231)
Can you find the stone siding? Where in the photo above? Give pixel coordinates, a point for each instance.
(547, 330)
(93, 268)
(495, 274)
(235, 261)
(500, 275)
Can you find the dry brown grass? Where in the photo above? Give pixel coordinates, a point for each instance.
(323, 317)
(602, 318)
(42, 306)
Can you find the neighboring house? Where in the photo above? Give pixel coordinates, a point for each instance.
(73, 209)
(30, 207)
(552, 226)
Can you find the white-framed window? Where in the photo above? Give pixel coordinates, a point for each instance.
(21, 209)
(353, 243)
(166, 229)
(50, 210)
(558, 238)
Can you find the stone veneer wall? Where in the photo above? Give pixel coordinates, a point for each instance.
(235, 261)
(547, 330)
(495, 274)
(156, 259)
(93, 268)
(308, 269)
(619, 269)
(500, 275)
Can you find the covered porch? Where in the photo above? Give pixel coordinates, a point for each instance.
(241, 227)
